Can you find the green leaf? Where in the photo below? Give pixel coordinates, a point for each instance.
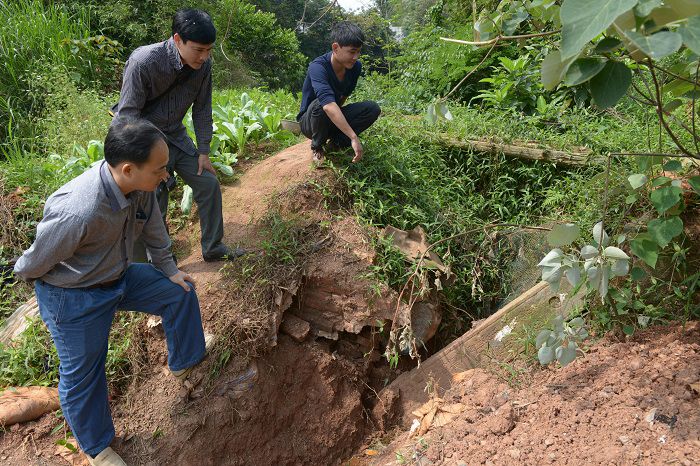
(659, 45)
(660, 181)
(691, 34)
(583, 21)
(620, 268)
(553, 69)
(665, 198)
(600, 237)
(552, 259)
(545, 355)
(431, 116)
(542, 338)
(573, 275)
(186, 203)
(638, 274)
(607, 44)
(694, 182)
(644, 163)
(644, 7)
(589, 252)
(583, 70)
(646, 248)
(673, 166)
(566, 354)
(563, 235)
(672, 105)
(444, 111)
(608, 86)
(628, 330)
(663, 230)
(613, 252)
(637, 180)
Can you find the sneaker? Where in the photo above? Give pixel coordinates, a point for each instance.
(225, 254)
(182, 374)
(319, 156)
(106, 457)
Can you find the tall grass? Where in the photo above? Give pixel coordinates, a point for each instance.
(31, 40)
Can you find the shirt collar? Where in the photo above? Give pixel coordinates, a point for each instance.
(117, 200)
(173, 54)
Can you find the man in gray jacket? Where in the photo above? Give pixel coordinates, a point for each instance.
(81, 261)
(161, 82)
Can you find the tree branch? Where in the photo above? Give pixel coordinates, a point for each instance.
(499, 38)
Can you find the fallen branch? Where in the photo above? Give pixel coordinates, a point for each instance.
(524, 152)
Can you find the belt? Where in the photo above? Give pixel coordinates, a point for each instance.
(108, 284)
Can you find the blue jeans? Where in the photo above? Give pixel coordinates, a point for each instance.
(79, 321)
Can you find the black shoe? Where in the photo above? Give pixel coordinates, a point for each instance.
(225, 254)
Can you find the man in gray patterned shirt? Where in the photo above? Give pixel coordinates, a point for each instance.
(81, 261)
(161, 82)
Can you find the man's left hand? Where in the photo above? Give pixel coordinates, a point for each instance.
(205, 164)
(181, 278)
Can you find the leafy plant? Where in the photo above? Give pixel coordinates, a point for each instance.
(562, 343)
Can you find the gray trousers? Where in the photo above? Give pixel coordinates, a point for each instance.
(316, 125)
(207, 195)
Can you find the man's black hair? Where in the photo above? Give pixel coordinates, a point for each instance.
(346, 33)
(130, 140)
(195, 25)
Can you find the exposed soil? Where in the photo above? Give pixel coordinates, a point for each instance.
(282, 402)
(594, 411)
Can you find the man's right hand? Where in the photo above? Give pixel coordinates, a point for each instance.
(357, 148)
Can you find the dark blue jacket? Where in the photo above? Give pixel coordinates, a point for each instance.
(321, 83)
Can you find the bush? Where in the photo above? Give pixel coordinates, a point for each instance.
(265, 48)
(43, 39)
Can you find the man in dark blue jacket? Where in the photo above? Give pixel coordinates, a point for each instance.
(330, 80)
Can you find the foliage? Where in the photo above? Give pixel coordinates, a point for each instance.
(270, 51)
(561, 343)
(38, 40)
(32, 359)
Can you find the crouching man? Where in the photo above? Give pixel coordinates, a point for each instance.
(330, 80)
(81, 264)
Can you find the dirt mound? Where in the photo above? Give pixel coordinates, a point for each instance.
(634, 402)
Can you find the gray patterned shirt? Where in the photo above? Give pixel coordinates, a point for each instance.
(88, 231)
(149, 72)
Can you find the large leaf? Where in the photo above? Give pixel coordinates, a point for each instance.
(607, 44)
(186, 202)
(573, 275)
(637, 180)
(563, 235)
(663, 230)
(615, 253)
(584, 20)
(552, 259)
(665, 198)
(554, 69)
(694, 182)
(431, 115)
(583, 70)
(644, 7)
(646, 248)
(566, 354)
(608, 86)
(659, 45)
(691, 34)
(589, 252)
(600, 237)
(545, 355)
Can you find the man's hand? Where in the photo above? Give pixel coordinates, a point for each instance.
(181, 278)
(205, 164)
(357, 147)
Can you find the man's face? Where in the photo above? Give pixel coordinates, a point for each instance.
(346, 55)
(192, 53)
(148, 176)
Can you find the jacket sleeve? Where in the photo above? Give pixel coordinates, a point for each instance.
(156, 239)
(320, 81)
(58, 235)
(202, 116)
